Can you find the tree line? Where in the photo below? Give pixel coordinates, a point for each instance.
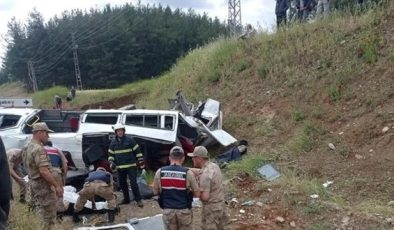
(115, 45)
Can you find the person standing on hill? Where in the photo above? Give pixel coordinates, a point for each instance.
(176, 186)
(281, 12)
(73, 92)
(40, 173)
(125, 154)
(323, 8)
(58, 102)
(213, 216)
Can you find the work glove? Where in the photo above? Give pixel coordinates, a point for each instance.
(141, 163)
(112, 165)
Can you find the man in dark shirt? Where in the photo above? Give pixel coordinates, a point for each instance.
(5, 187)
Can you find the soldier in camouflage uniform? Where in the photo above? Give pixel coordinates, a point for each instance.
(40, 173)
(98, 183)
(59, 166)
(15, 164)
(213, 216)
(176, 186)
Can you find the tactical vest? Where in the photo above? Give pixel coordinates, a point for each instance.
(54, 156)
(99, 175)
(174, 193)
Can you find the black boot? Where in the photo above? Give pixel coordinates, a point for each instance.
(76, 218)
(111, 216)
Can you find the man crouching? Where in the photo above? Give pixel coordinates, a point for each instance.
(98, 183)
(176, 186)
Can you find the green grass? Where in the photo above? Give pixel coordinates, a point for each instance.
(14, 89)
(46, 98)
(297, 114)
(313, 208)
(372, 206)
(292, 58)
(319, 226)
(301, 183)
(249, 164)
(300, 142)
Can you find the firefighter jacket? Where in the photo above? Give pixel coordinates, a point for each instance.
(125, 152)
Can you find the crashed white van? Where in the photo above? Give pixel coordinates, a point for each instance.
(155, 130)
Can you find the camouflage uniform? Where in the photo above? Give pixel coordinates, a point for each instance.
(97, 187)
(14, 162)
(57, 172)
(58, 175)
(213, 214)
(41, 191)
(177, 219)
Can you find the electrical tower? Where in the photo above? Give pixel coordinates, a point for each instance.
(76, 64)
(32, 76)
(234, 17)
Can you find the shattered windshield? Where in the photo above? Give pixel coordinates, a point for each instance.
(7, 121)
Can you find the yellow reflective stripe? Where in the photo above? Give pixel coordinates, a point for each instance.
(111, 151)
(123, 151)
(135, 147)
(111, 158)
(126, 166)
(139, 155)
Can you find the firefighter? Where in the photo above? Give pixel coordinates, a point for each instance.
(126, 156)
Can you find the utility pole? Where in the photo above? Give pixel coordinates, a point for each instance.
(234, 17)
(32, 76)
(76, 65)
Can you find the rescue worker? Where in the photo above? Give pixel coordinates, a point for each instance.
(176, 186)
(73, 92)
(59, 166)
(15, 163)
(98, 183)
(40, 171)
(125, 155)
(213, 214)
(58, 102)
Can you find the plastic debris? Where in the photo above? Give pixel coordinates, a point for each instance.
(280, 219)
(268, 172)
(242, 211)
(248, 203)
(234, 200)
(314, 196)
(327, 183)
(196, 203)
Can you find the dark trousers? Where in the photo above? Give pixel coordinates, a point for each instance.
(132, 173)
(4, 210)
(281, 20)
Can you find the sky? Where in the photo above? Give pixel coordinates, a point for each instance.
(259, 13)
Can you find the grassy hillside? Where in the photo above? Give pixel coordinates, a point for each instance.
(290, 94)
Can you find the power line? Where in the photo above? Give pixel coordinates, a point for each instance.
(100, 28)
